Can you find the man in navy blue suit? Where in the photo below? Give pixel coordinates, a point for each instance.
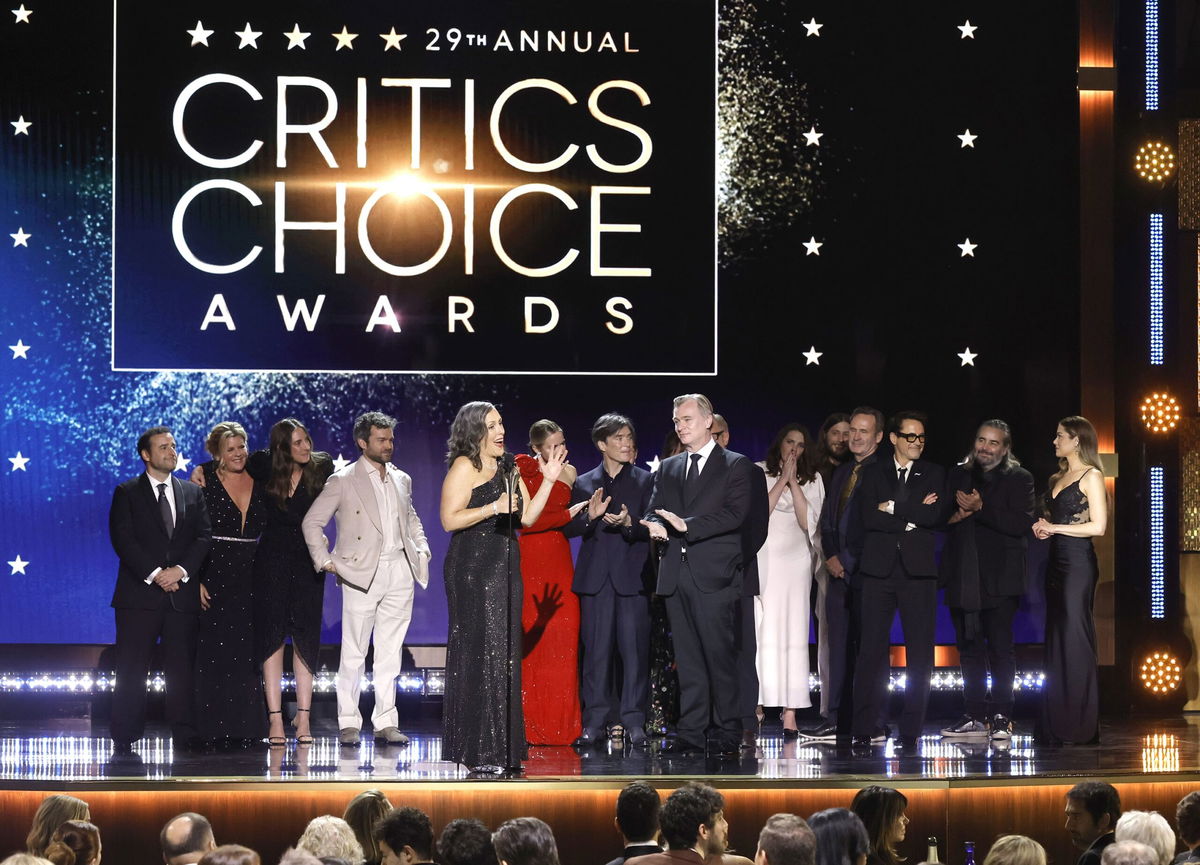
(706, 503)
(160, 530)
(614, 609)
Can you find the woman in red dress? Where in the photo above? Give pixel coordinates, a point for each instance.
(550, 615)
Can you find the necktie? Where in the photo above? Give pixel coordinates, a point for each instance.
(164, 509)
(901, 489)
(692, 479)
(848, 489)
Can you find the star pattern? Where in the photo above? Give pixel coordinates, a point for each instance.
(967, 139)
(18, 463)
(199, 34)
(812, 138)
(21, 125)
(967, 248)
(296, 38)
(967, 357)
(812, 357)
(340, 463)
(813, 246)
(968, 29)
(181, 463)
(344, 39)
(22, 15)
(654, 463)
(247, 37)
(18, 565)
(21, 238)
(812, 28)
(392, 39)
(20, 350)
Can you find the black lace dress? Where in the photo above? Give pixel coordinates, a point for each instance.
(484, 645)
(228, 673)
(1071, 696)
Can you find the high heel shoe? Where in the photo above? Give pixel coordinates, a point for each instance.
(275, 741)
(307, 738)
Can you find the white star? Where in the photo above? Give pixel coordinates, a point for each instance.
(967, 248)
(967, 139)
(654, 464)
(18, 463)
(967, 357)
(392, 39)
(247, 37)
(20, 237)
(813, 28)
(813, 246)
(812, 356)
(344, 39)
(296, 38)
(340, 463)
(181, 463)
(21, 125)
(199, 34)
(968, 29)
(22, 14)
(20, 350)
(812, 138)
(18, 566)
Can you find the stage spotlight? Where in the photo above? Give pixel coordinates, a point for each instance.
(1160, 412)
(1161, 673)
(1155, 162)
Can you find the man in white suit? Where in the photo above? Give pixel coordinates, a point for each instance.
(380, 551)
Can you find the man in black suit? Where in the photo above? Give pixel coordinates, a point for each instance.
(983, 570)
(614, 609)
(900, 504)
(1092, 811)
(702, 505)
(160, 530)
(638, 805)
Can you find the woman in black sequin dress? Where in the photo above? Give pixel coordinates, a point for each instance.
(482, 723)
(1077, 507)
(228, 684)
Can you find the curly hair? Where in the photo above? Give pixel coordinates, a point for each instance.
(52, 813)
(330, 836)
(76, 842)
(467, 431)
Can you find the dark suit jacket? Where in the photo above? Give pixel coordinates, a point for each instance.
(886, 535)
(729, 489)
(139, 537)
(844, 537)
(591, 570)
(635, 850)
(1091, 856)
(1001, 531)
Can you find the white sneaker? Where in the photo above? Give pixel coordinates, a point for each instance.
(966, 727)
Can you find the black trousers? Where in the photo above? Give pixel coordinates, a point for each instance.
(137, 632)
(916, 599)
(842, 610)
(747, 651)
(991, 646)
(614, 625)
(703, 629)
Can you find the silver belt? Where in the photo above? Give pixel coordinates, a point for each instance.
(236, 540)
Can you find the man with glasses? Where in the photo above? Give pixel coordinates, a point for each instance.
(900, 505)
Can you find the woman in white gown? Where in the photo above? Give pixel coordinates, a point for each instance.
(785, 570)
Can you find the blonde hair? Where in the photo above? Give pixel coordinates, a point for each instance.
(226, 429)
(330, 836)
(1016, 850)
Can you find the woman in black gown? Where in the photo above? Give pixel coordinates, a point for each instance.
(227, 675)
(483, 726)
(1077, 511)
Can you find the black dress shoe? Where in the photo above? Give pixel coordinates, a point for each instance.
(681, 748)
(825, 732)
(637, 737)
(860, 742)
(586, 739)
(728, 750)
(907, 743)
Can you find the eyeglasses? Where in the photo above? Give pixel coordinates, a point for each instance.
(912, 437)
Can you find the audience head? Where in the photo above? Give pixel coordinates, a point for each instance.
(75, 842)
(1015, 850)
(364, 811)
(1093, 809)
(330, 836)
(692, 417)
(185, 838)
(720, 430)
(833, 440)
(295, 856)
(637, 813)
(866, 431)
(525, 841)
(1128, 853)
(841, 837)
(992, 447)
(25, 859)
(694, 816)
(1152, 829)
(792, 440)
(405, 832)
(1187, 819)
(906, 431)
(466, 842)
(882, 811)
(467, 432)
(786, 839)
(236, 854)
(55, 810)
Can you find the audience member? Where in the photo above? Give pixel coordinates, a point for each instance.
(1128, 853)
(52, 813)
(786, 839)
(25, 859)
(1152, 829)
(1092, 811)
(75, 842)
(405, 835)
(186, 838)
(525, 841)
(1015, 850)
(236, 854)
(720, 430)
(1187, 821)
(637, 821)
(882, 811)
(693, 823)
(841, 837)
(333, 860)
(466, 842)
(296, 856)
(364, 811)
(330, 836)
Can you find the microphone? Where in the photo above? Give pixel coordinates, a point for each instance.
(507, 461)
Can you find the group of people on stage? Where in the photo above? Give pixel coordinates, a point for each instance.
(224, 570)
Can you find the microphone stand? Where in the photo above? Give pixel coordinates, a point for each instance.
(510, 492)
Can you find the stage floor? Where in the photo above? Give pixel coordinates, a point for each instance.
(52, 752)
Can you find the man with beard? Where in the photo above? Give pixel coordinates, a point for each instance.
(983, 569)
(832, 449)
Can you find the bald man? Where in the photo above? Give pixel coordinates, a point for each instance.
(186, 838)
